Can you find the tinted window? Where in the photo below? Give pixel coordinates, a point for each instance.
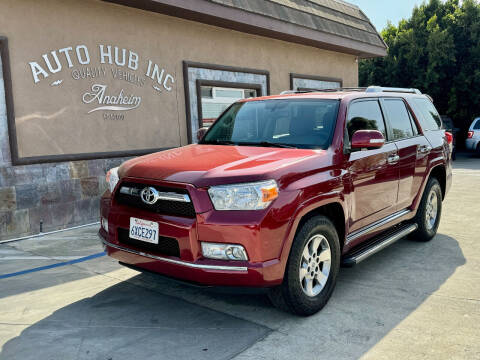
(365, 115)
(302, 123)
(398, 118)
(430, 119)
(477, 125)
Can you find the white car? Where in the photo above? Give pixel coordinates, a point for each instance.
(473, 137)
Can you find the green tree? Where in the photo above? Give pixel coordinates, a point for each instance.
(436, 50)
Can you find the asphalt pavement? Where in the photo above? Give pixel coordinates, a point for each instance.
(62, 298)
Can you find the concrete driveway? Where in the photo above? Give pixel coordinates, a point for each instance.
(60, 298)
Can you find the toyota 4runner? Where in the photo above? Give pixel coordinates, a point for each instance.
(283, 190)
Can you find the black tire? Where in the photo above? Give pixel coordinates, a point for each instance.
(426, 229)
(291, 296)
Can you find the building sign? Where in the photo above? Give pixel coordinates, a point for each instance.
(118, 64)
(91, 99)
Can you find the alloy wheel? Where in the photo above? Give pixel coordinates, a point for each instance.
(315, 265)
(431, 209)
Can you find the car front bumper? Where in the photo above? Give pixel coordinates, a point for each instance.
(203, 271)
(261, 233)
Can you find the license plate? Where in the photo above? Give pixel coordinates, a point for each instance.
(144, 230)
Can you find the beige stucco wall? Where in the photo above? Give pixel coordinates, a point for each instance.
(54, 120)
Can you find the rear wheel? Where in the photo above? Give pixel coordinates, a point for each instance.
(312, 269)
(429, 212)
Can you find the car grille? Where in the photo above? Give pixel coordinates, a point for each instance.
(165, 207)
(166, 245)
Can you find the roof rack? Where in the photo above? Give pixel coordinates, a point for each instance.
(306, 91)
(370, 89)
(393, 89)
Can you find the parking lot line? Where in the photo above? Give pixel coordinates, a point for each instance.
(46, 267)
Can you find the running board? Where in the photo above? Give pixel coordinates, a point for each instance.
(378, 243)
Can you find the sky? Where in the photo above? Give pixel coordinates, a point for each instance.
(380, 11)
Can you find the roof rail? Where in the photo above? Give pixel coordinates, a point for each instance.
(344, 89)
(392, 89)
(370, 89)
(305, 91)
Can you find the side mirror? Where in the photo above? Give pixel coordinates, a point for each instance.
(367, 139)
(201, 132)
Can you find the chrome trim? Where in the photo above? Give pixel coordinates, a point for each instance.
(169, 196)
(375, 89)
(176, 262)
(149, 195)
(393, 159)
(424, 149)
(441, 158)
(382, 245)
(173, 197)
(376, 225)
(127, 190)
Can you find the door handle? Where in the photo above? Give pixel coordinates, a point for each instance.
(424, 149)
(393, 159)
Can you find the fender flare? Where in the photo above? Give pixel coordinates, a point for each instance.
(304, 209)
(435, 163)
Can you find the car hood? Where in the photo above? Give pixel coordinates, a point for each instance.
(206, 165)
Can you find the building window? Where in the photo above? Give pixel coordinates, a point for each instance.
(300, 82)
(215, 100)
(210, 89)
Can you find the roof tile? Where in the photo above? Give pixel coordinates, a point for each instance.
(329, 16)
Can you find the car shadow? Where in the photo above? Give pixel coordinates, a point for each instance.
(148, 316)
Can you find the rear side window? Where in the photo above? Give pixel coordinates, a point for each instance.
(477, 125)
(398, 118)
(430, 120)
(365, 115)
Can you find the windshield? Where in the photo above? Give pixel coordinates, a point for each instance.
(299, 123)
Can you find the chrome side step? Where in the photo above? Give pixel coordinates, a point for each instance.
(379, 243)
(355, 235)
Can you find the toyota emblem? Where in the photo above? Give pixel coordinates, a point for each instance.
(149, 195)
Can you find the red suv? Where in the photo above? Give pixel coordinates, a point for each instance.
(282, 190)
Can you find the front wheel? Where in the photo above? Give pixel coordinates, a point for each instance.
(429, 212)
(312, 269)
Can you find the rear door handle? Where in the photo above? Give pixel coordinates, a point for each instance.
(424, 149)
(393, 159)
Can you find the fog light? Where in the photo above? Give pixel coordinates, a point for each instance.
(224, 251)
(104, 224)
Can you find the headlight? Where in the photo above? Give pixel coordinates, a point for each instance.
(249, 196)
(112, 178)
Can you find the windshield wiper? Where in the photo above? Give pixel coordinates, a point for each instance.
(267, 144)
